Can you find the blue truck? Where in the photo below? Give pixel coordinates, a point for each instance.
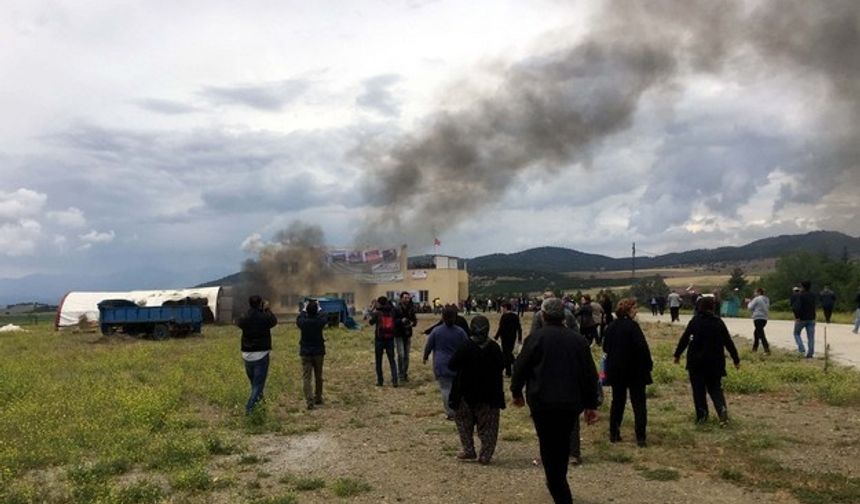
(157, 322)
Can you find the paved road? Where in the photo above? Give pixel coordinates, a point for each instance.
(844, 345)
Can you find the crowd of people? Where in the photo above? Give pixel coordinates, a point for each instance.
(554, 366)
(554, 363)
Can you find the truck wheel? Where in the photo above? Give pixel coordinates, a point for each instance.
(160, 332)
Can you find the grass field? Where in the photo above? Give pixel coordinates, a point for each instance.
(118, 420)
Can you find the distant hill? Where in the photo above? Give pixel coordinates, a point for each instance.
(558, 259)
(538, 267)
(549, 259)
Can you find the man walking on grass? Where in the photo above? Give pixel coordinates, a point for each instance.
(311, 323)
(510, 331)
(403, 336)
(557, 370)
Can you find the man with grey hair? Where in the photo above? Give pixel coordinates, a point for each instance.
(558, 372)
(569, 319)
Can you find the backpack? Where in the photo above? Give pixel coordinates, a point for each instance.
(586, 316)
(385, 323)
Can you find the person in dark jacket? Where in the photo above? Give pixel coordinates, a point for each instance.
(828, 302)
(384, 317)
(407, 319)
(311, 323)
(459, 321)
(803, 306)
(856, 312)
(606, 305)
(256, 325)
(628, 367)
(556, 367)
(510, 331)
(707, 336)
(478, 394)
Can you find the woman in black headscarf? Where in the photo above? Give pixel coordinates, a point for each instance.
(478, 395)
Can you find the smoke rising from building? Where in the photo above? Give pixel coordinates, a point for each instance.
(553, 110)
(293, 264)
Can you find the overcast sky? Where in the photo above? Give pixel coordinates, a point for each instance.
(171, 133)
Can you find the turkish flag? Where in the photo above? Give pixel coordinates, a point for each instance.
(436, 242)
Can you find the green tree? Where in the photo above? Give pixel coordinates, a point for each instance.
(649, 287)
(842, 277)
(738, 281)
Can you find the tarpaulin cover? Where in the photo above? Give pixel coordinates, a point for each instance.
(78, 304)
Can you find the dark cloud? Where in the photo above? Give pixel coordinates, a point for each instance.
(168, 107)
(377, 95)
(270, 96)
(556, 109)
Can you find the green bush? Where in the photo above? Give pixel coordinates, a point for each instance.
(749, 380)
(840, 387)
(195, 479)
(307, 484)
(142, 492)
(349, 487)
(797, 373)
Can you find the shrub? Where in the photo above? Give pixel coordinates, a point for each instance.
(840, 388)
(306, 484)
(142, 492)
(661, 474)
(349, 487)
(194, 479)
(749, 380)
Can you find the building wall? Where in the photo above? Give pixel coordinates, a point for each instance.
(450, 285)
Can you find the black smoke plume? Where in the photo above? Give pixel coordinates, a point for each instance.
(291, 266)
(552, 110)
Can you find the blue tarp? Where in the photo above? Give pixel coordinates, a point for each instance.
(335, 305)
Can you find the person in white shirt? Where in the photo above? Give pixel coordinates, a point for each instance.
(759, 306)
(674, 305)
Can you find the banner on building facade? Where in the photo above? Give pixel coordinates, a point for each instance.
(367, 265)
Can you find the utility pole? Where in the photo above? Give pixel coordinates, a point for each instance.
(634, 260)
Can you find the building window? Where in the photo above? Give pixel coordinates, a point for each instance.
(289, 268)
(423, 296)
(290, 301)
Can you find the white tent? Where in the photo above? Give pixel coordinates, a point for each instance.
(75, 305)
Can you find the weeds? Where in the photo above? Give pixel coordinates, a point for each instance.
(660, 474)
(307, 484)
(281, 499)
(349, 487)
(195, 479)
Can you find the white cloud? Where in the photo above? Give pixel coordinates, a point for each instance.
(72, 217)
(20, 238)
(21, 204)
(253, 244)
(97, 237)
